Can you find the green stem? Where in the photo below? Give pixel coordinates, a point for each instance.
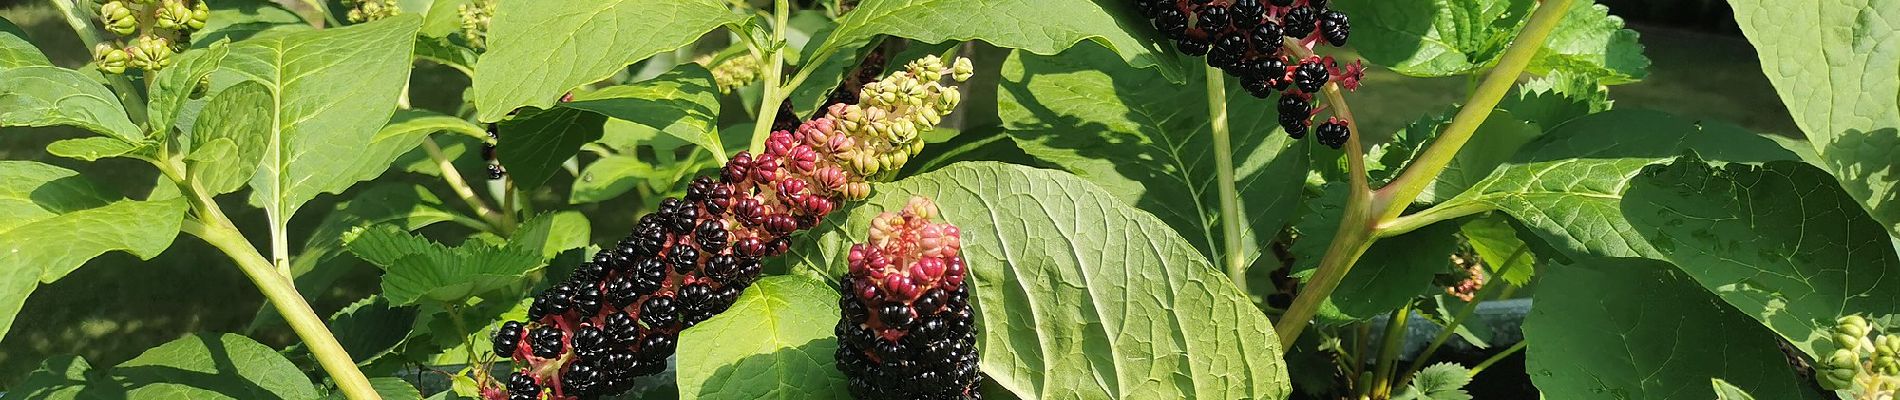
(1438, 213)
(212, 226)
(461, 187)
(1389, 351)
(1393, 198)
(1224, 167)
(1500, 356)
(775, 93)
(1366, 211)
(1459, 318)
(122, 86)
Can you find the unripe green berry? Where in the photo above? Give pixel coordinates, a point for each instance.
(1843, 359)
(1852, 325)
(1836, 379)
(111, 59)
(961, 70)
(173, 15)
(151, 53)
(118, 18)
(200, 13)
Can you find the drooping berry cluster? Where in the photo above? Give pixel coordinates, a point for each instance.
(908, 331)
(163, 28)
(1865, 360)
(1247, 39)
(619, 315)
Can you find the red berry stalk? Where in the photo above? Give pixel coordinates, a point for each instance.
(908, 331)
(619, 315)
(1244, 38)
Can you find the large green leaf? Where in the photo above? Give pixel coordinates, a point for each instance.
(331, 90)
(172, 86)
(371, 327)
(241, 19)
(1455, 37)
(417, 269)
(52, 221)
(1567, 184)
(1781, 242)
(682, 102)
(413, 122)
(608, 177)
(1837, 67)
(236, 120)
(774, 343)
(16, 51)
(1148, 143)
(1042, 26)
(93, 148)
(1496, 242)
(1080, 295)
(47, 96)
(1638, 329)
(202, 366)
(538, 50)
(536, 144)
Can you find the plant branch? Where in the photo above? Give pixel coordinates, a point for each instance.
(461, 188)
(212, 226)
(1393, 198)
(128, 93)
(1389, 351)
(1365, 211)
(1230, 220)
(1501, 355)
(1438, 213)
(774, 94)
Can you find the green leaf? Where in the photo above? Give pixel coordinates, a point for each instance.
(1043, 27)
(1728, 391)
(592, 40)
(238, 20)
(91, 148)
(1078, 294)
(1638, 329)
(539, 142)
(416, 123)
(203, 366)
(609, 177)
(550, 234)
(1496, 242)
(774, 343)
(173, 86)
(682, 102)
(407, 207)
(16, 51)
(331, 90)
(1147, 142)
(1441, 381)
(238, 116)
(1590, 42)
(389, 388)
(371, 327)
(1566, 185)
(55, 220)
(443, 18)
(1553, 99)
(1837, 67)
(418, 269)
(1500, 136)
(1454, 37)
(1780, 242)
(48, 96)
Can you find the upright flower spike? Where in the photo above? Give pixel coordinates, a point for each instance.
(908, 331)
(619, 315)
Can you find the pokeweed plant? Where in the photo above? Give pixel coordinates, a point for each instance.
(958, 199)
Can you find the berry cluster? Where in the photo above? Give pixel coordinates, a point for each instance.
(166, 24)
(908, 331)
(1468, 277)
(619, 315)
(370, 10)
(1865, 359)
(1247, 39)
(733, 73)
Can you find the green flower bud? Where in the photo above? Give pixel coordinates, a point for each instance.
(1852, 325)
(1836, 379)
(173, 15)
(118, 18)
(1843, 359)
(962, 70)
(111, 59)
(151, 53)
(1846, 341)
(200, 13)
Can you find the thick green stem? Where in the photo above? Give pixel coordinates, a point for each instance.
(128, 93)
(211, 225)
(1366, 211)
(774, 73)
(1389, 351)
(1230, 221)
(1438, 213)
(1393, 198)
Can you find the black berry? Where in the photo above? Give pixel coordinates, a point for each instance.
(1311, 76)
(1335, 27)
(1299, 22)
(1333, 133)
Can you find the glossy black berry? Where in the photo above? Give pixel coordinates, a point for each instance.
(1247, 13)
(658, 347)
(1333, 133)
(545, 342)
(1266, 38)
(590, 342)
(895, 315)
(1211, 17)
(659, 312)
(1192, 47)
(1228, 51)
(1295, 115)
(1172, 23)
(523, 387)
(1311, 76)
(1299, 22)
(508, 338)
(1335, 27)
(711, 235)
(649, 275)
(621, 329)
